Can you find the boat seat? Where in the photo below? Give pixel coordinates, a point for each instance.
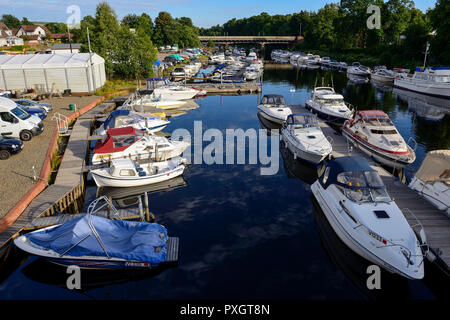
(142, 173)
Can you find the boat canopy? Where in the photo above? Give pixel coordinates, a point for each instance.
(96, 236)
(153, 83)
(302, 120)
(110, 121)
(435, 167)
(273, 99)
(118, 139)
(337, 166)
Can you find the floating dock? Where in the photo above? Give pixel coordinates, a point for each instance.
(435, 223)
(227, 88)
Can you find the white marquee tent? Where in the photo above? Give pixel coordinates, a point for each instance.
(79, 72)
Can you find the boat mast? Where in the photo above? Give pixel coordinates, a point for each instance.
(426, 52)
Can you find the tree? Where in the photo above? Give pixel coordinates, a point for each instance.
(11, 21)
(26, 22)
(440, 44)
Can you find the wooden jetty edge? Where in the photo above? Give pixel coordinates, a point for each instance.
(435, 223)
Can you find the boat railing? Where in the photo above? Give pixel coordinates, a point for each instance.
(389, 243)
(418, 229)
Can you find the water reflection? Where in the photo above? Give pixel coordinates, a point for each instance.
(296, 167)
(269, 126)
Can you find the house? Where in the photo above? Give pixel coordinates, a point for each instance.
(40, 31)
(60, 37)
(5, 32)
(66, 48)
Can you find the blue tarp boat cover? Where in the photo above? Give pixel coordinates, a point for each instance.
(129, 240)
(110, 121)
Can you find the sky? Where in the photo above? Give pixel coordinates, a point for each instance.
(204, 13)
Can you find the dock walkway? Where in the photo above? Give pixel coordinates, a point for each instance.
(435, 223)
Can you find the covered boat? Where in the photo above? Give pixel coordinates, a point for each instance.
(329, 105)
(94, 242)
(373, 133)
(355, 201)
(432, 181)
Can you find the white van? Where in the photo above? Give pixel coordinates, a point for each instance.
(16, 122)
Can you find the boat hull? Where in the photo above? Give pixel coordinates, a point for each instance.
(313, 158)
(434, 91)
(325, 116)
(388, 159)
(337, 223)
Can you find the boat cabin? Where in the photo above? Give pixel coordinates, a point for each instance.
(354, 177)
(302, 120)
(120, 118)
(437, 74)
(118, 139)
(275, 99)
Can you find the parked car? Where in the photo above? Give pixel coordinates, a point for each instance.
(9, 147)
(40, 113)
(33, 104)
(17, 123)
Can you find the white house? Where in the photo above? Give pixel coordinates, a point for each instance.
(25, 30)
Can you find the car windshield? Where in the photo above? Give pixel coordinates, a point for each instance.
(364, 186)
(19, 113)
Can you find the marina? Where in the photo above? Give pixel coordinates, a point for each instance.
(49, 209)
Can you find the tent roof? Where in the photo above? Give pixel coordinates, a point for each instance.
(39, 61)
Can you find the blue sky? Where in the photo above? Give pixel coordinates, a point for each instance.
(204, 13)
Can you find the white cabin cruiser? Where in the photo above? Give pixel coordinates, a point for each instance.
(273, 107)
(154, 101)
(165, 90)
(373, 133)
(329, 105)
(356, 204)
(431, 81)
(304, 138)
(382, 74)
(129, 142)
(432, 181)
(359, 70)
(129, 173)
(126, 118)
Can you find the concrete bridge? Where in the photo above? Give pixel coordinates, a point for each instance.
(261, 40)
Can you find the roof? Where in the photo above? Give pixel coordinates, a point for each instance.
(372, 113)
(48, 61)
(61, 35)
(29, 28)
(59, 46)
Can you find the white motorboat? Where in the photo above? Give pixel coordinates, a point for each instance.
(432, 181)
(165, 90)
(359, 70)
(129, 142)
(382, 74)
(431, 81)
(273, 107)
(356, 204)
(329, 105)
(304, 138)
(129, 173)
(373, 133)
(154, 101)
(126, 118)
(251, 73)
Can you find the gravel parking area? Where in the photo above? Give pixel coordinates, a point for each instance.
(16, 173)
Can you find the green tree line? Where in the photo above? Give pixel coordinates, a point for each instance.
(342, 28)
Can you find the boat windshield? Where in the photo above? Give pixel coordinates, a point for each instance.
(273, 100)
(378, 120)
(20, 113)
(303, 121)
(364, 186)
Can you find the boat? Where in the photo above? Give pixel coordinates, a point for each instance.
(329, 105)
(430, 81)
(432, 180)
(359, 70)
(374, 134)
(151, 100)
(129, 173)
(165, 90)
(273, 107)
(356, 79)
(126, 118)
(251, 56)
(304, 138)
(130, 142)
(356, 204)
(95, 242)
(383, 75)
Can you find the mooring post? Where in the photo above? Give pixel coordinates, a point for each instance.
(147, 210)
(141, 210)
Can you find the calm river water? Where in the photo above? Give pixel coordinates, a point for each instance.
(244, 235)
